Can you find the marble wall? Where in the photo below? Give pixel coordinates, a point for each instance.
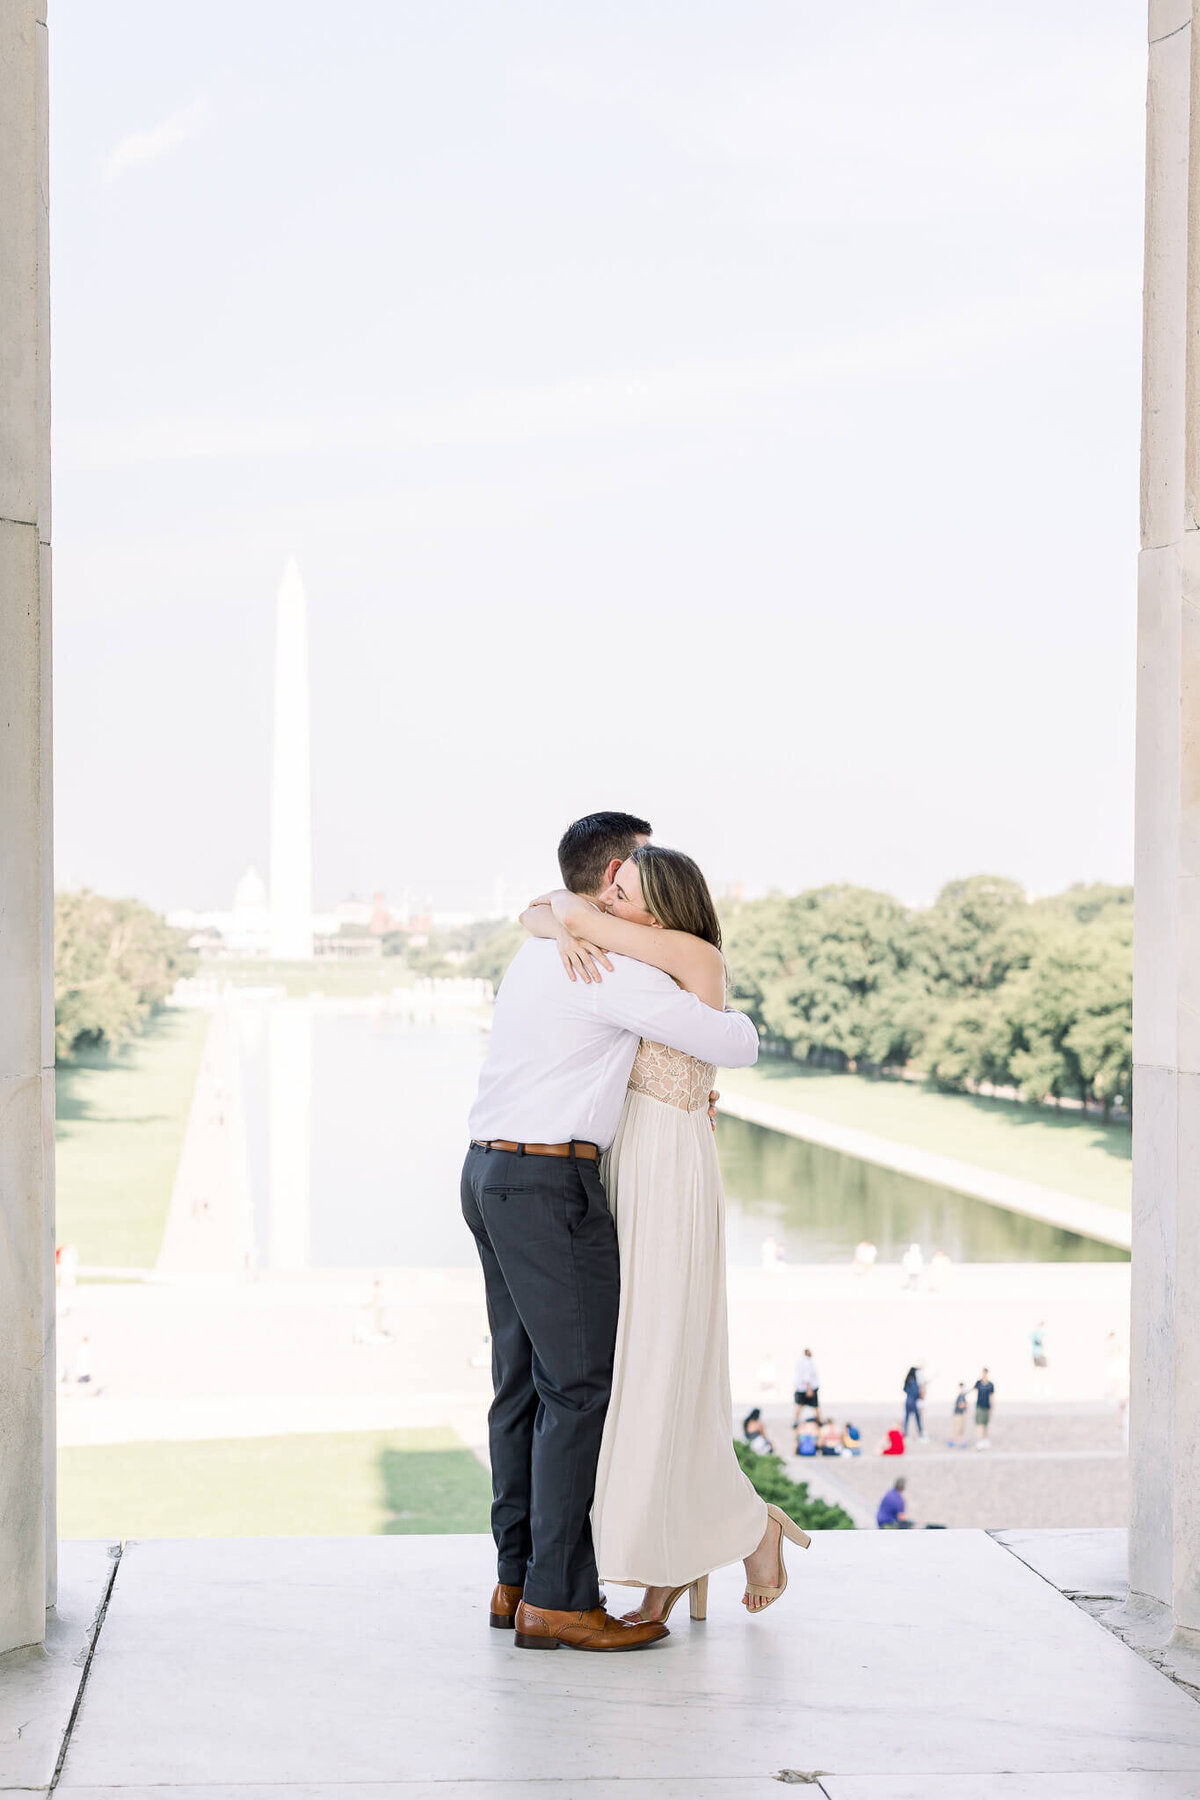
(27, 938)
(1165, 1343)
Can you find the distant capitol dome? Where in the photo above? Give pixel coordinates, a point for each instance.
(250, 894)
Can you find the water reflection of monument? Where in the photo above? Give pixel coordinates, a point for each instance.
(289, 1042)
(289, 1116)
(283, 1120)
(211, 1223)
(291, 800)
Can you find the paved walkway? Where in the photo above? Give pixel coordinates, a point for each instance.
(210, 1227)
(924, 1666)
(1087, 1217)
(231, 1358)
(221, 1357)
(1048, 1469)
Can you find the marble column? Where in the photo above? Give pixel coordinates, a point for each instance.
(1165, 1332)
(27, 940)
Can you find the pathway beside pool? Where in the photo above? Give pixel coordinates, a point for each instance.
(1053, 1207)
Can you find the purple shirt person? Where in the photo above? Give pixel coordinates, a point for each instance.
(891, 1508)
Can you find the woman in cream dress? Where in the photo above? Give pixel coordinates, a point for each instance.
(671, 1502)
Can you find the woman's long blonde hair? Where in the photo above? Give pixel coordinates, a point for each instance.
(676, 893)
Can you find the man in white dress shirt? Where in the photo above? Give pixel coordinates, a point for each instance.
(549, 1101)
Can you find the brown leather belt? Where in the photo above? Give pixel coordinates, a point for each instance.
(588, 1152)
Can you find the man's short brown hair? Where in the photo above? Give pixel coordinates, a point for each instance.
(588, 846)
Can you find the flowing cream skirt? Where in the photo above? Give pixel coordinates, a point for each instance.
(671, 1502)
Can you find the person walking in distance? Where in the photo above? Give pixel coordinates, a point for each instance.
(808, 1386)
(984, 1389)
(865, 1253)
(550, 1098)
(958, 1437)
(912, 1402)
(1041, 1362)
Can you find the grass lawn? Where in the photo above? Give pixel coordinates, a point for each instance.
(340, 1484)
(121, 1121)
(1060, 1150)
(376, 975)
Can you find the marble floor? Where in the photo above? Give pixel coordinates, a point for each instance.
(915, 1666)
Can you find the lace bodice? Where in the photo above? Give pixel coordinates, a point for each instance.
(671, 1076)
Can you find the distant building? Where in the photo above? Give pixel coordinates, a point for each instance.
(353, 929)
(348, 947)
(245, 930)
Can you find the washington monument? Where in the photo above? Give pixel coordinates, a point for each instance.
(291, 803)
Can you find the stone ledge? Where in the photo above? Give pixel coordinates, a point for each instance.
(1090, 1569)
(365, 1666)
(38, 1686)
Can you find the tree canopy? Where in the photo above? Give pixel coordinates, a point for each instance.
(115, 962)
(984, 986)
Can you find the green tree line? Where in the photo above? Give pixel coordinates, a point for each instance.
(115, 962)
(984, 986)
(483, 949)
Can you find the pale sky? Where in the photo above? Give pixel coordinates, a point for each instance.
(727, 412)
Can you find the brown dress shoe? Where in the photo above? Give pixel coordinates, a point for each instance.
(505, 1601)
(539, 1628)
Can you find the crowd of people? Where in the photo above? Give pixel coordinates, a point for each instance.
(914, 1386)
(818, 1434)
(918, 1274)
(812, 1435)
(815, 1433)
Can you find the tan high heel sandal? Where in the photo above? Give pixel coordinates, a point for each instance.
(697, 1604)
(787, 1529)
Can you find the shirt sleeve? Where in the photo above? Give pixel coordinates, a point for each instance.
(640, 998)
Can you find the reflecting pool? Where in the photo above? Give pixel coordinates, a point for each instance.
(817, 1204)
(355, 1128)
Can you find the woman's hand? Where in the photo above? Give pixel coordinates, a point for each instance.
(579, 958)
